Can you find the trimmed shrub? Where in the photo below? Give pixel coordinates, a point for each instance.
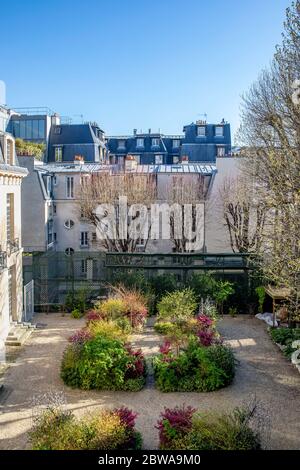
(208, 431)
(56, 429)
(103, 363)
(198, 368)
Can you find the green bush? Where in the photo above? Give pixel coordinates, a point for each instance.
(177, 306)
(164, 327)
(77, 300)
(76, 313)
(178, 430)
(102, 363)
(112, 308)
(201, 369)
(107, 329)
(285, 337)
(56, 429)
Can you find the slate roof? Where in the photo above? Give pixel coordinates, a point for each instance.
(72, 134)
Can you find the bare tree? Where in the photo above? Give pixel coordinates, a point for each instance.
(186, 193)
(270, 132)
(244, 215)
(102, 200)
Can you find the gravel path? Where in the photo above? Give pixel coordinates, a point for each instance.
(262, 370)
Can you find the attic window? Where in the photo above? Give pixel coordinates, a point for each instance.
(57, 130)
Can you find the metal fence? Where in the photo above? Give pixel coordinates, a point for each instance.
(56, 274)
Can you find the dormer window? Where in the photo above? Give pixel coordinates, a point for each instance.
(121, 144)
(155, 142)
(219, 131)
(201, 131)
(176, 143)
(57, 130)
(140, 142)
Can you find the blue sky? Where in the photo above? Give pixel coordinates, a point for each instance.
(137, 64)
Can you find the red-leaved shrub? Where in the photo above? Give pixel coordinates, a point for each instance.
(174, 422)
(80, 337)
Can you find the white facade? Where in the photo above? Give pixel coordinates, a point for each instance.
(11, 285)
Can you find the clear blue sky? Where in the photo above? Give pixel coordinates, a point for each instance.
(137, 64)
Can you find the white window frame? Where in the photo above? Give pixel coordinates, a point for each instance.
(177, 144)
(200, 130)
(140, 143)
(155, 142)
(58, 151)
(175, 159)
(84, 239)
(217, 133)
(69, 224)
(70, 187)
(161, 158)
(121, 144)
(220, 151)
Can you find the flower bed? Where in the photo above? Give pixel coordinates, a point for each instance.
(193, 357)
(186, 429)
(198, 368)
(100, 357)
(56, 429)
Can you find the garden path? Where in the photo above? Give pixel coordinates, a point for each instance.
(262, 370)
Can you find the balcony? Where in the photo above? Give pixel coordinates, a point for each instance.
(13, 245)
(3, 260)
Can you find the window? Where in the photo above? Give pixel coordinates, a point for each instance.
(83, 266)
(84, 239)
(55, 236)
(54, 180)
(140, 142)
(69, 224)
(175, 160)
(138, 159)
(121, 144)
(49, 185)
(94, 236)
(70, 187)
(69, 251)
(220, 151)
(176, 143)
(155, 142)
(57, 130)
(10, 229)
(219, 131)
(58, 154)
(9, 152)
(158, 159)
(201, 131)
(41, 129)
(35, 129)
